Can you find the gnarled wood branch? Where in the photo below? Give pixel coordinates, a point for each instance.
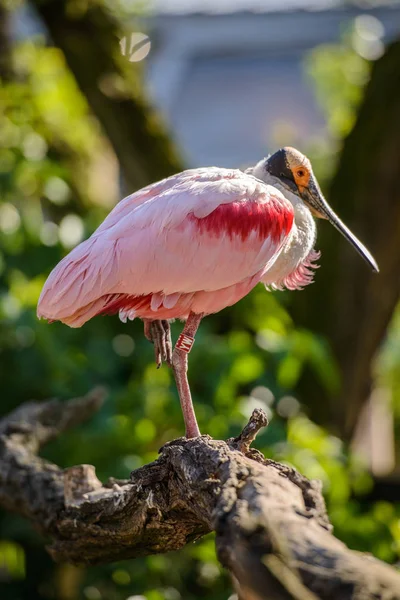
(272, 530)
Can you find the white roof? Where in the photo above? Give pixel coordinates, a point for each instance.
(261, 6)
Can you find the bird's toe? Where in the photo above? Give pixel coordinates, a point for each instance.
(159, 333)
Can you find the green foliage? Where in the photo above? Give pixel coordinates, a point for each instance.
(339, 73)
(12, 560)
(388, 367)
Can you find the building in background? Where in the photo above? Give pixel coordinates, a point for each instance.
(229, 77)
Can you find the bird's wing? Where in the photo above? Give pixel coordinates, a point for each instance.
(204, 229)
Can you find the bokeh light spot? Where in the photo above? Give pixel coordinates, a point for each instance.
(367, 37)
(288, 407)
(91, 593)
(34, 147)
(208, 572)
(49, 234)
(369, 27)
(121, 577)
(144, 431)
(9, 218)
(57, 190)
(135, 46)
(10, 306)
(171, 593)
(260, 392)
(71, 230)
(132, 461)
(123, 345)
(248, 404)
(270, 340)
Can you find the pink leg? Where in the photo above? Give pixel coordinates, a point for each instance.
(180, 367)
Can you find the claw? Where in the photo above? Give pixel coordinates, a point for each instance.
(159, 333)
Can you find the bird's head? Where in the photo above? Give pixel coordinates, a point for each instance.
(292, 171)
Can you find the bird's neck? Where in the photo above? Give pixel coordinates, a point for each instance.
(304, 230)
(301, 239)
(303, 218)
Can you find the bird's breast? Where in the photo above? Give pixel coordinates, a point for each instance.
(295, 249)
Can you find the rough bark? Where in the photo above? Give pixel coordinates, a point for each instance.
(272, 530)
(89, 38)
(366, 193)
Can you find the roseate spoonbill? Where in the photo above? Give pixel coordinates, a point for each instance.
(189, 246)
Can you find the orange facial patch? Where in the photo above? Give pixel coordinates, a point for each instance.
(301, 176)
(300, 167)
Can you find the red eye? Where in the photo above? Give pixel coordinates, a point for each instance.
(300, 173)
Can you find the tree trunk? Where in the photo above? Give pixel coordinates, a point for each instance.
(6, 66)
(349, 303)
(89, 38)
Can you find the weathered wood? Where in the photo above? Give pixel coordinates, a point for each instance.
(272, 530)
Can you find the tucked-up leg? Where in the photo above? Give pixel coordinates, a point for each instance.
(180, 367)
(159, 332)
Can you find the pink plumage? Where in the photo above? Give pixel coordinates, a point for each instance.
(196, 242)
(191, 245)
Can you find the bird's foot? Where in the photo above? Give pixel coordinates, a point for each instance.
(159, 333)
(192, 430)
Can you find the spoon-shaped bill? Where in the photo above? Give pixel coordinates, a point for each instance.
(359, 246)
(313, 196)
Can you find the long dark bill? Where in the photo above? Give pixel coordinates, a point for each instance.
(313, 196)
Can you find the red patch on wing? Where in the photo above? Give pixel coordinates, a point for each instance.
(141, 306)
(269, 219)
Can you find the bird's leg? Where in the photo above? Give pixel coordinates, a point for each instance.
(180, 367)
(159, 333)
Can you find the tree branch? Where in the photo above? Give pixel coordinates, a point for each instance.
(272, 530)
